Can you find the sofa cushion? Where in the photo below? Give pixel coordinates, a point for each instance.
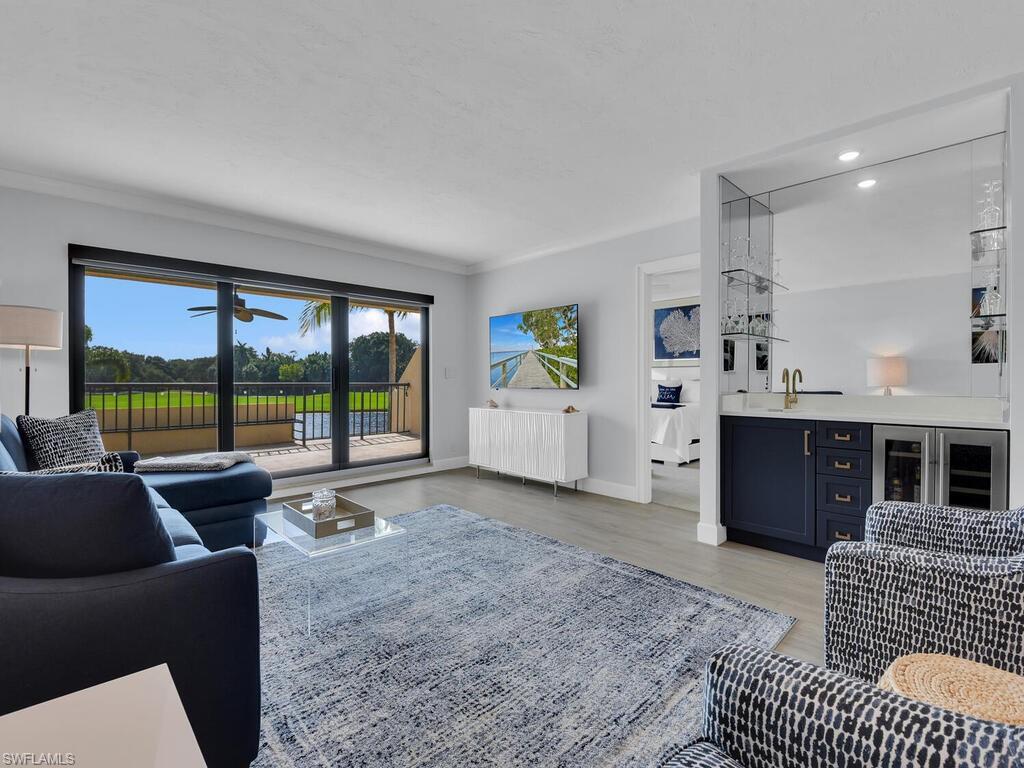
(178, 528)
(158, 501)
(186, 491)
(190, 551)
(63, 441)
(109, 462)
(10, 439)
(60, 526)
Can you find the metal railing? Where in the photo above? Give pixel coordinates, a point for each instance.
(130, 407)
(506, 368)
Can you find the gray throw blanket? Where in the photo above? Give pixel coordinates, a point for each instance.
(198, 462)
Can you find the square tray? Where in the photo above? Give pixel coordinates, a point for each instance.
(348, 516)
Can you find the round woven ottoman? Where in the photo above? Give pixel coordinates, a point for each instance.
(958, 685)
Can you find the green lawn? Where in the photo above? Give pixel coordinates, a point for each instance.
(357, 401)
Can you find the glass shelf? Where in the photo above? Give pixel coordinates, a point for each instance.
(746, 278)
(754, 337)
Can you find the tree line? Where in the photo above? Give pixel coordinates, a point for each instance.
(368, 361)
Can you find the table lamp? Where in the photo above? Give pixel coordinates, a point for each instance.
(887, 372)
(30, 328)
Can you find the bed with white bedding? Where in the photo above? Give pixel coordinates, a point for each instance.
(675, 432)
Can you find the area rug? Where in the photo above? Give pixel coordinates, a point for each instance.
(469, 642)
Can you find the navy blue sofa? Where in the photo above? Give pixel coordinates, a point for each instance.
(98, 579)
(219, 505)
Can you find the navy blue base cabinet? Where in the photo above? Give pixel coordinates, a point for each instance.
(794, 486)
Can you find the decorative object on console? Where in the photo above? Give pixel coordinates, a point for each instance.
(677, 333)
(570, 409)
(64, 441)
(491, 404)
(29, 328)
(887, 372)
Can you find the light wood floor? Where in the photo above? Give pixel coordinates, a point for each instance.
(653, 536)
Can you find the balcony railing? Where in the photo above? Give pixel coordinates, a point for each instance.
(132, 407)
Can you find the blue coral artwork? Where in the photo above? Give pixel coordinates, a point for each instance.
(677, 332)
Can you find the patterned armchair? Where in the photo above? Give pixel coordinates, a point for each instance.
(926, 579)
(763, 710)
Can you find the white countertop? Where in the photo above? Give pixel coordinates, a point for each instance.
(911, 410)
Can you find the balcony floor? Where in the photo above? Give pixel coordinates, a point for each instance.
(288, 457)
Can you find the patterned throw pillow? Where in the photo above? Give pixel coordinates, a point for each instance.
(64, 441)
(110, 462)
(668, 394)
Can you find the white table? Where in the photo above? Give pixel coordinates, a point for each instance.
(130, 722)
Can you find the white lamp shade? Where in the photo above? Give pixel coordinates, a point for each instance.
(35, 327)
(887, 371)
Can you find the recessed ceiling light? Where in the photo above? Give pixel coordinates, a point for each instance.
(849, 157)
(866, 184)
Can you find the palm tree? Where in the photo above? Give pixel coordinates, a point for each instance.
(317, 314)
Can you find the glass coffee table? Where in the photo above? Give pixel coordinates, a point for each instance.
(272, 527)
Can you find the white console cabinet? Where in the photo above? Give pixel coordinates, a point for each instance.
(540, 445)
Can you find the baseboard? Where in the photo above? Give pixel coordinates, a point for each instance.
(709, 533)
(292, 486)
(606, 488)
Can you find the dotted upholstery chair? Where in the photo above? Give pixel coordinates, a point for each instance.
(763, 710)
(926, 579)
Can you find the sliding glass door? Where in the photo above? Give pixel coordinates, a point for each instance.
(385, 350)
(303, 377)
(283, 367)
(150, 371)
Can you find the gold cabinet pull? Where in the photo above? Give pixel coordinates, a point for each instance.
(842, 438)
(807, 442)
(842, 465)
(844, 499)
(843, 536)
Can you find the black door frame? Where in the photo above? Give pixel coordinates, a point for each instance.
(229, 279)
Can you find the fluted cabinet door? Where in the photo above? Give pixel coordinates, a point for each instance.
(536, 444)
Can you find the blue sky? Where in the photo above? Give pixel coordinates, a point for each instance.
(506, 336)
(151, 319)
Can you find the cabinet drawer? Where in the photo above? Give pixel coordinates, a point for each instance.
(844, 434)
(833, 527)
(843, 462)
(851, 495)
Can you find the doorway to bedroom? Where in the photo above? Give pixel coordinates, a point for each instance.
(672, 331)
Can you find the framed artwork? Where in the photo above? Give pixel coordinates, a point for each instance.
(728, 356)
(677, 333)
(761, 356)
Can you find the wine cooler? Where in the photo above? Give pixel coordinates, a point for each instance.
(951, 467)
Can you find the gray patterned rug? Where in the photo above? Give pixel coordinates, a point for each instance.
(469, 642)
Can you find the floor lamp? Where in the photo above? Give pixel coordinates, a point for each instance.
(30, 328)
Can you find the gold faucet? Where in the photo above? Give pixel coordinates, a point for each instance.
(791, 397)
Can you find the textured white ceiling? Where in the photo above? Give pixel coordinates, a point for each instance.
(476, 131)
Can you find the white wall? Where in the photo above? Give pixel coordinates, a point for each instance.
(34, 270)
(833, 332)
(602, 279)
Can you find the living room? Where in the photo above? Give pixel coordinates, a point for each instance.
(322, 447)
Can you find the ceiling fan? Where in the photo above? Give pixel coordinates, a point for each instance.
(241, 312)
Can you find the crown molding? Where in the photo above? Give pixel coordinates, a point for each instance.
(500, 262)
(134, 200)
